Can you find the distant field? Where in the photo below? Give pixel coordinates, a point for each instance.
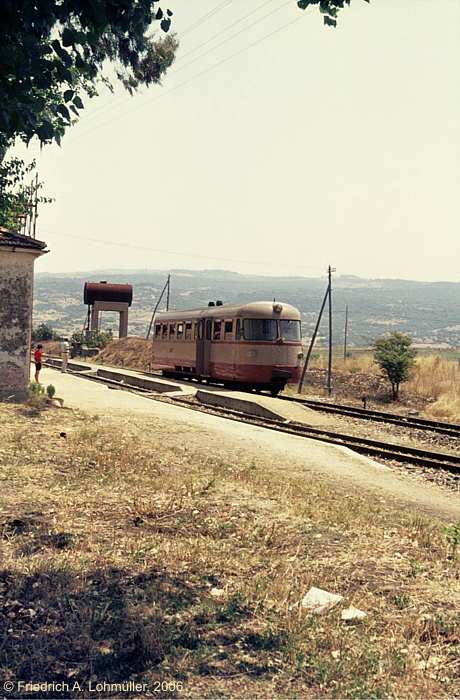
(428, 311)
(434, 385)
(356, 352)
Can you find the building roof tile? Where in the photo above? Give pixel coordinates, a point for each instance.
(11, 239)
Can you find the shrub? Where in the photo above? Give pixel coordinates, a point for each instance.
(395, 357)
(92, 339)
(50, 390)
(452, 534)
(44, 332)
(36, 389)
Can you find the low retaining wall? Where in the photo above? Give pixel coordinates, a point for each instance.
(141, 382)
(242, 405)
(70, 365)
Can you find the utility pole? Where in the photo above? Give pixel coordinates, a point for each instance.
(312, 341)
(330, 270)
(166, 287)
(345, 335)
(168, 292)
(35, 206)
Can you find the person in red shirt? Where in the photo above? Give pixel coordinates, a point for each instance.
(38, 361)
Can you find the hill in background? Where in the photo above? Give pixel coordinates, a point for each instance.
(429, 311)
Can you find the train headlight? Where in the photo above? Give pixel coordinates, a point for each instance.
(252, 353)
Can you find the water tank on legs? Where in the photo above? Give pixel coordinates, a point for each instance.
(105, 291)
(102, 296)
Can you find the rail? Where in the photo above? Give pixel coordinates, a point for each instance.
(374, 448)
(452, 429)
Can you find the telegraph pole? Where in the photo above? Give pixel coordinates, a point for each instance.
(168, 292)
(312, 341)
(330, 270)
(345, 335)
(166, 287)
(35, 215)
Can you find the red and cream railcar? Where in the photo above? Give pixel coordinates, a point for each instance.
(255, 345)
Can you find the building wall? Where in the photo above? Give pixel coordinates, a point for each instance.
(16, 297)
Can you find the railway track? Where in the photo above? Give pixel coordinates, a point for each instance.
(373, 448)
(451, 429)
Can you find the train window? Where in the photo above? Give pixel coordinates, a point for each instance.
(188, 330)
(172, 330)
(157, 330)
(180, 331)
(217, 330)
(260, 329)
(290, 330)
(228, 329)
(164, 330)
(239, 333)
(208, 329)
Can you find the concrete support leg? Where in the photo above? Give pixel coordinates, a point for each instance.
(123, 330)
(94, 319)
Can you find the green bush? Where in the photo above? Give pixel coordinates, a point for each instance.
(44, 332)
(50, 390)
(395, 357)
(92, 339)
(36, 389)
(452, 534)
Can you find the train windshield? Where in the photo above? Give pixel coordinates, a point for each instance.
(260, 329)
(290, 330)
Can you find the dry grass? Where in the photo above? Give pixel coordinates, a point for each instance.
(52, 348)
(133, 352)
(439, 379)
(117, 538)
(434, 379)
(358, 362)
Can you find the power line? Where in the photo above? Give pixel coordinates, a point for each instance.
(233, 36)
(197, 75)
(188, 29)
(240, 31)
(204, 18)
(225, 29)
(185, 254)
(121, 98)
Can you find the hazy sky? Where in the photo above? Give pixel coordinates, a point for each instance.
(314, 146)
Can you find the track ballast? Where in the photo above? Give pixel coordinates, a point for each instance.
(372, 448)
(451, 429)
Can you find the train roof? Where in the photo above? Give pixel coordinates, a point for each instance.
(254, 309)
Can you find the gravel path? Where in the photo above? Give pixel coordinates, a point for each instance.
(289, 451)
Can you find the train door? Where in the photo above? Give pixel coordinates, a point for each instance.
(203, 347)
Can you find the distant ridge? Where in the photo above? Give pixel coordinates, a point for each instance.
(429, 311)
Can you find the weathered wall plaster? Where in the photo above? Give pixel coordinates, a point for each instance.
(16, 298)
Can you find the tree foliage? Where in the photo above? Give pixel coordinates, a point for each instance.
(395, 356)
(92, 339)
(328, 8)
(15, 194)
(54, 52)
(44, 332)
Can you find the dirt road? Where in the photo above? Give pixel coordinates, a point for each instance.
(227, 437)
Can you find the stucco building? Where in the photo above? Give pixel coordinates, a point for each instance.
(17, 257)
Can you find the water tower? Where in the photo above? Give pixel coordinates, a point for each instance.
(102, 296)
